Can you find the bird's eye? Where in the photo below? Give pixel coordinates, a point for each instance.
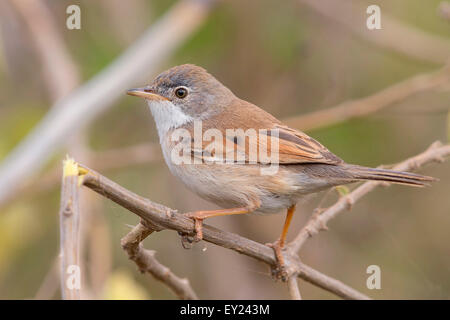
(181, 93)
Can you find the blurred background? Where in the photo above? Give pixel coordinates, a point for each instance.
(290, 57)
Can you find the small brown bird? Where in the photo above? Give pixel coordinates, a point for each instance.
(185, 96)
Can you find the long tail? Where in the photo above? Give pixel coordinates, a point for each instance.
(412, 179)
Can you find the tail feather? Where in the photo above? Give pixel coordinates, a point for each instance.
(408, 178)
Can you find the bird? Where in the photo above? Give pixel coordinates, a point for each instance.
(187, 102)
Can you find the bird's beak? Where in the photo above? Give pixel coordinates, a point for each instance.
(146, 93)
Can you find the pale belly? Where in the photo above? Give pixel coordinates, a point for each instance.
(233, 185)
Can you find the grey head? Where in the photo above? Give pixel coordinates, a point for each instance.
(184, 93)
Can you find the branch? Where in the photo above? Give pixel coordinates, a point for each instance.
(394, 35)
(294, 290)
(146, 262)
(160, 217)
(84, 104)
(69, 229)
(370, 104)
(435, 153)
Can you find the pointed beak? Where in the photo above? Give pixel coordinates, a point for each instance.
(146, 93)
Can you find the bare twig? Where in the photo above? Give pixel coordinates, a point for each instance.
(160, 217)
(393, 35)
(373, 103)
(146, 262)
(69, 231)
(84, 104)
(294, 290)
(317, 222)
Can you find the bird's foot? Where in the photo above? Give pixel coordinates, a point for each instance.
(186, 240)
(279, 269)
(198, 226)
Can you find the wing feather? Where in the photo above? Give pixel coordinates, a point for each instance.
(291, 146)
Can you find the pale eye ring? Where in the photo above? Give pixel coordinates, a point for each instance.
(181, 92)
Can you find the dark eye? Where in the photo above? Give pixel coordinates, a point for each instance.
(181, 93)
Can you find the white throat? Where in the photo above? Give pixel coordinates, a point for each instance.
(167, 116)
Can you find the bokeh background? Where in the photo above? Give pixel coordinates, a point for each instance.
(284, 56)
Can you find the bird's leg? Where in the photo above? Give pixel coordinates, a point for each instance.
(278, 245)
(199, 216)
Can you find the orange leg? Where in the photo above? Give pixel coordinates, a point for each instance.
(279, 244)
(199, 216)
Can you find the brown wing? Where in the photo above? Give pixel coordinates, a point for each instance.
(292, 146)
(280, 143)
(297, 147)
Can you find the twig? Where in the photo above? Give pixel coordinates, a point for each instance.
(294, 290)
(436, 152)
(69, 232)
(373, 103)
(146, 262)
(160, 217)
(84, 104)
(393, 35)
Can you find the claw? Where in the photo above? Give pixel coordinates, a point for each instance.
(186, 240)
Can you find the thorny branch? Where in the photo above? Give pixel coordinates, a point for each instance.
(158, 217)
(435, 153)
(146, 262)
